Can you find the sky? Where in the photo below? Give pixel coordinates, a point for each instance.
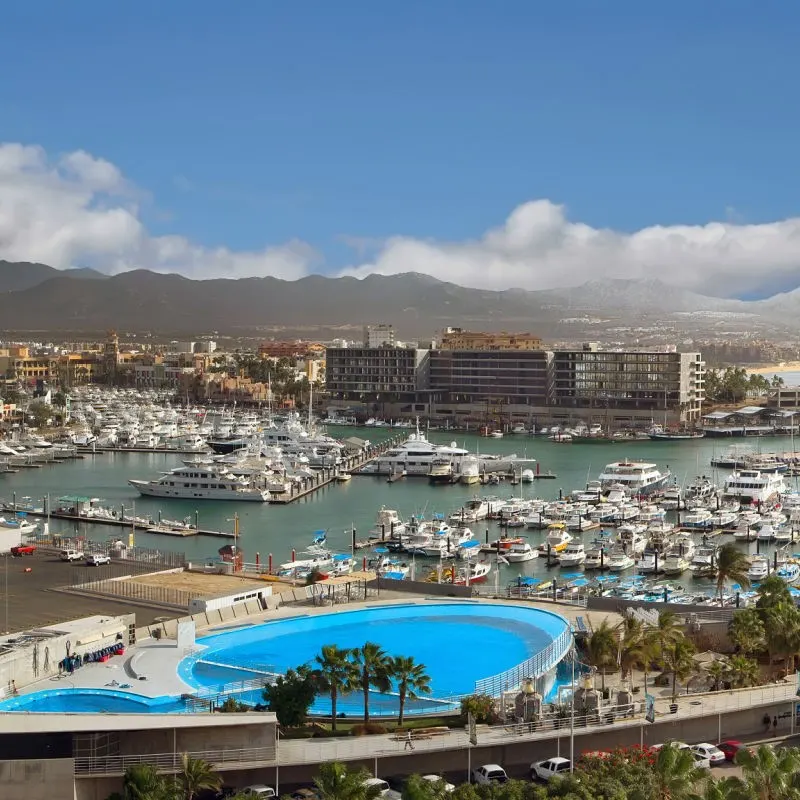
(517, 143)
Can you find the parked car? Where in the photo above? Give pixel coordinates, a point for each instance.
(700, 760)
(97, 560)
(489, 773)
(260, 791)
(674, 743)
(549, 768)
(730, 747)
(23, 550)
(384, 789)
(71, 555)
(709, 751)
(305, 794)
(448, 787)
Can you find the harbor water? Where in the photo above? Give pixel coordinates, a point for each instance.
(341, 507)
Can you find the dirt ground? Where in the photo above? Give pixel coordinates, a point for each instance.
(209, 584)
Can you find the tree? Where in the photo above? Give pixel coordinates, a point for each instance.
(717, 670)
(481, 707)
(782, 628)
(196, 775)
(410, 679)
(418, 788)
(40, 413)
(732, 567)
(743, 672)
(143, 782)
(767, 773)
(746, 631)
(601, 649)
(291, 696)
(336, 782)
(373, 671)
(772, 591)
(676, 774)
(337, 674)
(679, 659)
(667, 631)
(633, 646)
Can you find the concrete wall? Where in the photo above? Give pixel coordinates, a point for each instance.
(37, 779)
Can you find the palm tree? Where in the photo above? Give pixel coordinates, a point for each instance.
(667, 631)
(411, 681)
(676, 774)
(143, 782)
(336, 782)
(373, 668)
(722, 789)
(679, 658)
(337, 674)
(782, 628)
(717, 670)
(602, 649)
(196, 775)
(746, 630)
(772, 591)
(743, 672)
(768, 774)
(732, 567)
(633, 649)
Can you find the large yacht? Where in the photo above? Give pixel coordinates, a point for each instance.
(201, 483)
(751, 486)
(417, 454)
(638, 477)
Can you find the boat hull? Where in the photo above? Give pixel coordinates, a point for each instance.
(168, 493)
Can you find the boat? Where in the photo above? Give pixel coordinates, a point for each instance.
(751, 486)
(389, 521)
(469, 550)
(527, 476)
(596, 558)
(519, 429)
(638, 477)
(473, 510)
(344, 477)
(441, 472)
(473, 572)
(18, 524)
(697, 519)
(343, 564)
(572, 555)
(700, 489)
(201, 483)
(470, 471)
(788, 572)
(619, 560)
(631, 538)
(520, 552)
(675, 436)
(516, 521)
(759, 568)
(702, 563)
(651, 563)
(496, 434)
(557, 538)
(675, 564)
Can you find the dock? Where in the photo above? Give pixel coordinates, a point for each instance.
(328, 475)
(91, 449)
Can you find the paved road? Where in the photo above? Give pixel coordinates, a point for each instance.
(30, 601)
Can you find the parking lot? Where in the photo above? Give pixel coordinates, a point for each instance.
(30, 601)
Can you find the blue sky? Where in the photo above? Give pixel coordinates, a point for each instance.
(251, 124)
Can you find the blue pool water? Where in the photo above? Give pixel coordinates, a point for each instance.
(459, 644)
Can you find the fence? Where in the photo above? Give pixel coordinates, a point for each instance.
(534, 667)
(169, 762)
(131, 589)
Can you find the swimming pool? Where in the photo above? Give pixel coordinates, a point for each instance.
(465, 646)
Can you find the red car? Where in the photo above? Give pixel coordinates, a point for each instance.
(730, 747)
(23, 550)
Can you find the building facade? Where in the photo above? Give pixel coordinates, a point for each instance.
(379, 336)
(459, 339)
(376, 373)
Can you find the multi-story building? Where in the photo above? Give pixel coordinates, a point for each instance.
(379, 336)
(459, 339)
(376, 373)
(634, 381)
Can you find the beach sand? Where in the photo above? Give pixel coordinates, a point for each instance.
(782, 366)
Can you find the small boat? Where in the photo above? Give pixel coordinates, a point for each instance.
(557, 538)
(344, 477)
(619, 560)
(675, 564)
(516, 521)
(788, 572)
(496, 435)
(469, 550)
(596, 558)
(572, 555)
(759, 568)
(520, 552)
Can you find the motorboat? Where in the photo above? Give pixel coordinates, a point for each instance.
(201, 483)
(473, 510)
(788, 572)
(472, 572)
(517, 521)
(675, 564)
(557, 538)
(697, 519)
(469, 550)
(572, 555)
(520, 552)
(343, 477)
(441, 472)
(638, 477)
(699, 490)
(18, 524)
(749, 486)
(470, 471)
(631, 538)
(619, 560)
(702, 564)
(759, 568)
(766, 533)
(388, 521)
(596, 558)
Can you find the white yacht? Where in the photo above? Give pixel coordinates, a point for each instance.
(751, 486)
(618, 560)
(697, 518)
(389, 523)
(201, 483)
(638, 477)
(573, 555)
(470, 471)
(759, 568)
(520, 552)
(596, 558)
(632, 539)
(472, 511)
(675, 564)
(417, 454)
(557, 538)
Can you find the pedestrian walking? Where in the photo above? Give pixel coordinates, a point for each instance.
(410, 744)
(774, 724)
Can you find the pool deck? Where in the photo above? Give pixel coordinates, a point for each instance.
(157, 660)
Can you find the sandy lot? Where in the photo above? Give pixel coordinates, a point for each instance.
(208, 584)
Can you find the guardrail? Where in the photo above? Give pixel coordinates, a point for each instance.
(169, 762)
(533, 667)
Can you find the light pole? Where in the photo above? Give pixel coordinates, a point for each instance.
(574, 654)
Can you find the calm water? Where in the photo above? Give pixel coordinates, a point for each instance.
(339, 507)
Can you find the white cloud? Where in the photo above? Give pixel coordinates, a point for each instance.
(539, 248)
(79, 210)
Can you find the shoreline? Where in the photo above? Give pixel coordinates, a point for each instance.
(782, 366)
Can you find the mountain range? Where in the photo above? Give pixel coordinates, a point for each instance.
(36, 297)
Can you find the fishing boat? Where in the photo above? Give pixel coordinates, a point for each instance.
(557, 538)
(675, 564)
(759, 568)
(788, 572)
(619, 560)
(343, 477)
(573, 555)
(520, 552)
